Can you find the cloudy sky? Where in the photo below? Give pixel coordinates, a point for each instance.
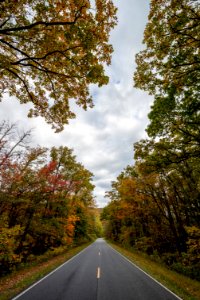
(102, 137)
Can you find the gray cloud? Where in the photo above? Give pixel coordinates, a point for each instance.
(102, 137)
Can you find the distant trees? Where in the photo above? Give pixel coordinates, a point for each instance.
(155, 204)
(51, 51)
(46, 199)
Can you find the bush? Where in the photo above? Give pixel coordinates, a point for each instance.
(8, 258)
(190, 271)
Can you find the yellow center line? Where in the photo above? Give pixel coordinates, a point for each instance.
(98, 273)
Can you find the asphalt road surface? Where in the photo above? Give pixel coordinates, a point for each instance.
(97, 273)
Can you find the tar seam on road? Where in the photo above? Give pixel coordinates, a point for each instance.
(145, 273)
(37, 282)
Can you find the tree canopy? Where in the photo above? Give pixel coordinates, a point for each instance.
(51, 51)
(169, 67)
(172, 42)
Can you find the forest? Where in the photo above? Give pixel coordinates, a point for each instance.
(154, 203)
(46, 200)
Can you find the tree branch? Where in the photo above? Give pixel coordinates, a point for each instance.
(46, 24)
(24, 83)
(4, 22)
(43, 57)
(33, 59)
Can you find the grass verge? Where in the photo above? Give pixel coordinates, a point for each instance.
(16, 282)
(184, 287)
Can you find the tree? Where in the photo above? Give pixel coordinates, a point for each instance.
(172, 38)
(12, 142)
(169, 69)
(178, 172)
(51, 51)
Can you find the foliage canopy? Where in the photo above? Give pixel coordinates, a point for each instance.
(169, 67)
(50, 51)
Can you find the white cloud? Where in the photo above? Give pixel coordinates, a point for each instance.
(102, 137)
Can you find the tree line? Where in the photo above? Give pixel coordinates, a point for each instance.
(154, 203)
(46, 200)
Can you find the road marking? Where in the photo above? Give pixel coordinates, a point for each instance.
(145, 272)
(43, 278)
(99, 253)
(98, 273)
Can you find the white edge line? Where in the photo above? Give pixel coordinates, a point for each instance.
(43, 278)
(146, 273)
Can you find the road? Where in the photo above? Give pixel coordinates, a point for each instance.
(97, 273)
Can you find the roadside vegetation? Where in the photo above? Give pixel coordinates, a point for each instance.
(46, 200)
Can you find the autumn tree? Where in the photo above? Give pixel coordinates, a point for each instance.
(172, 49)
(46, 200)
(149, 210)
(12, 142)
(127, 213)
(168, 68)
(79, 192)
(51, 51)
